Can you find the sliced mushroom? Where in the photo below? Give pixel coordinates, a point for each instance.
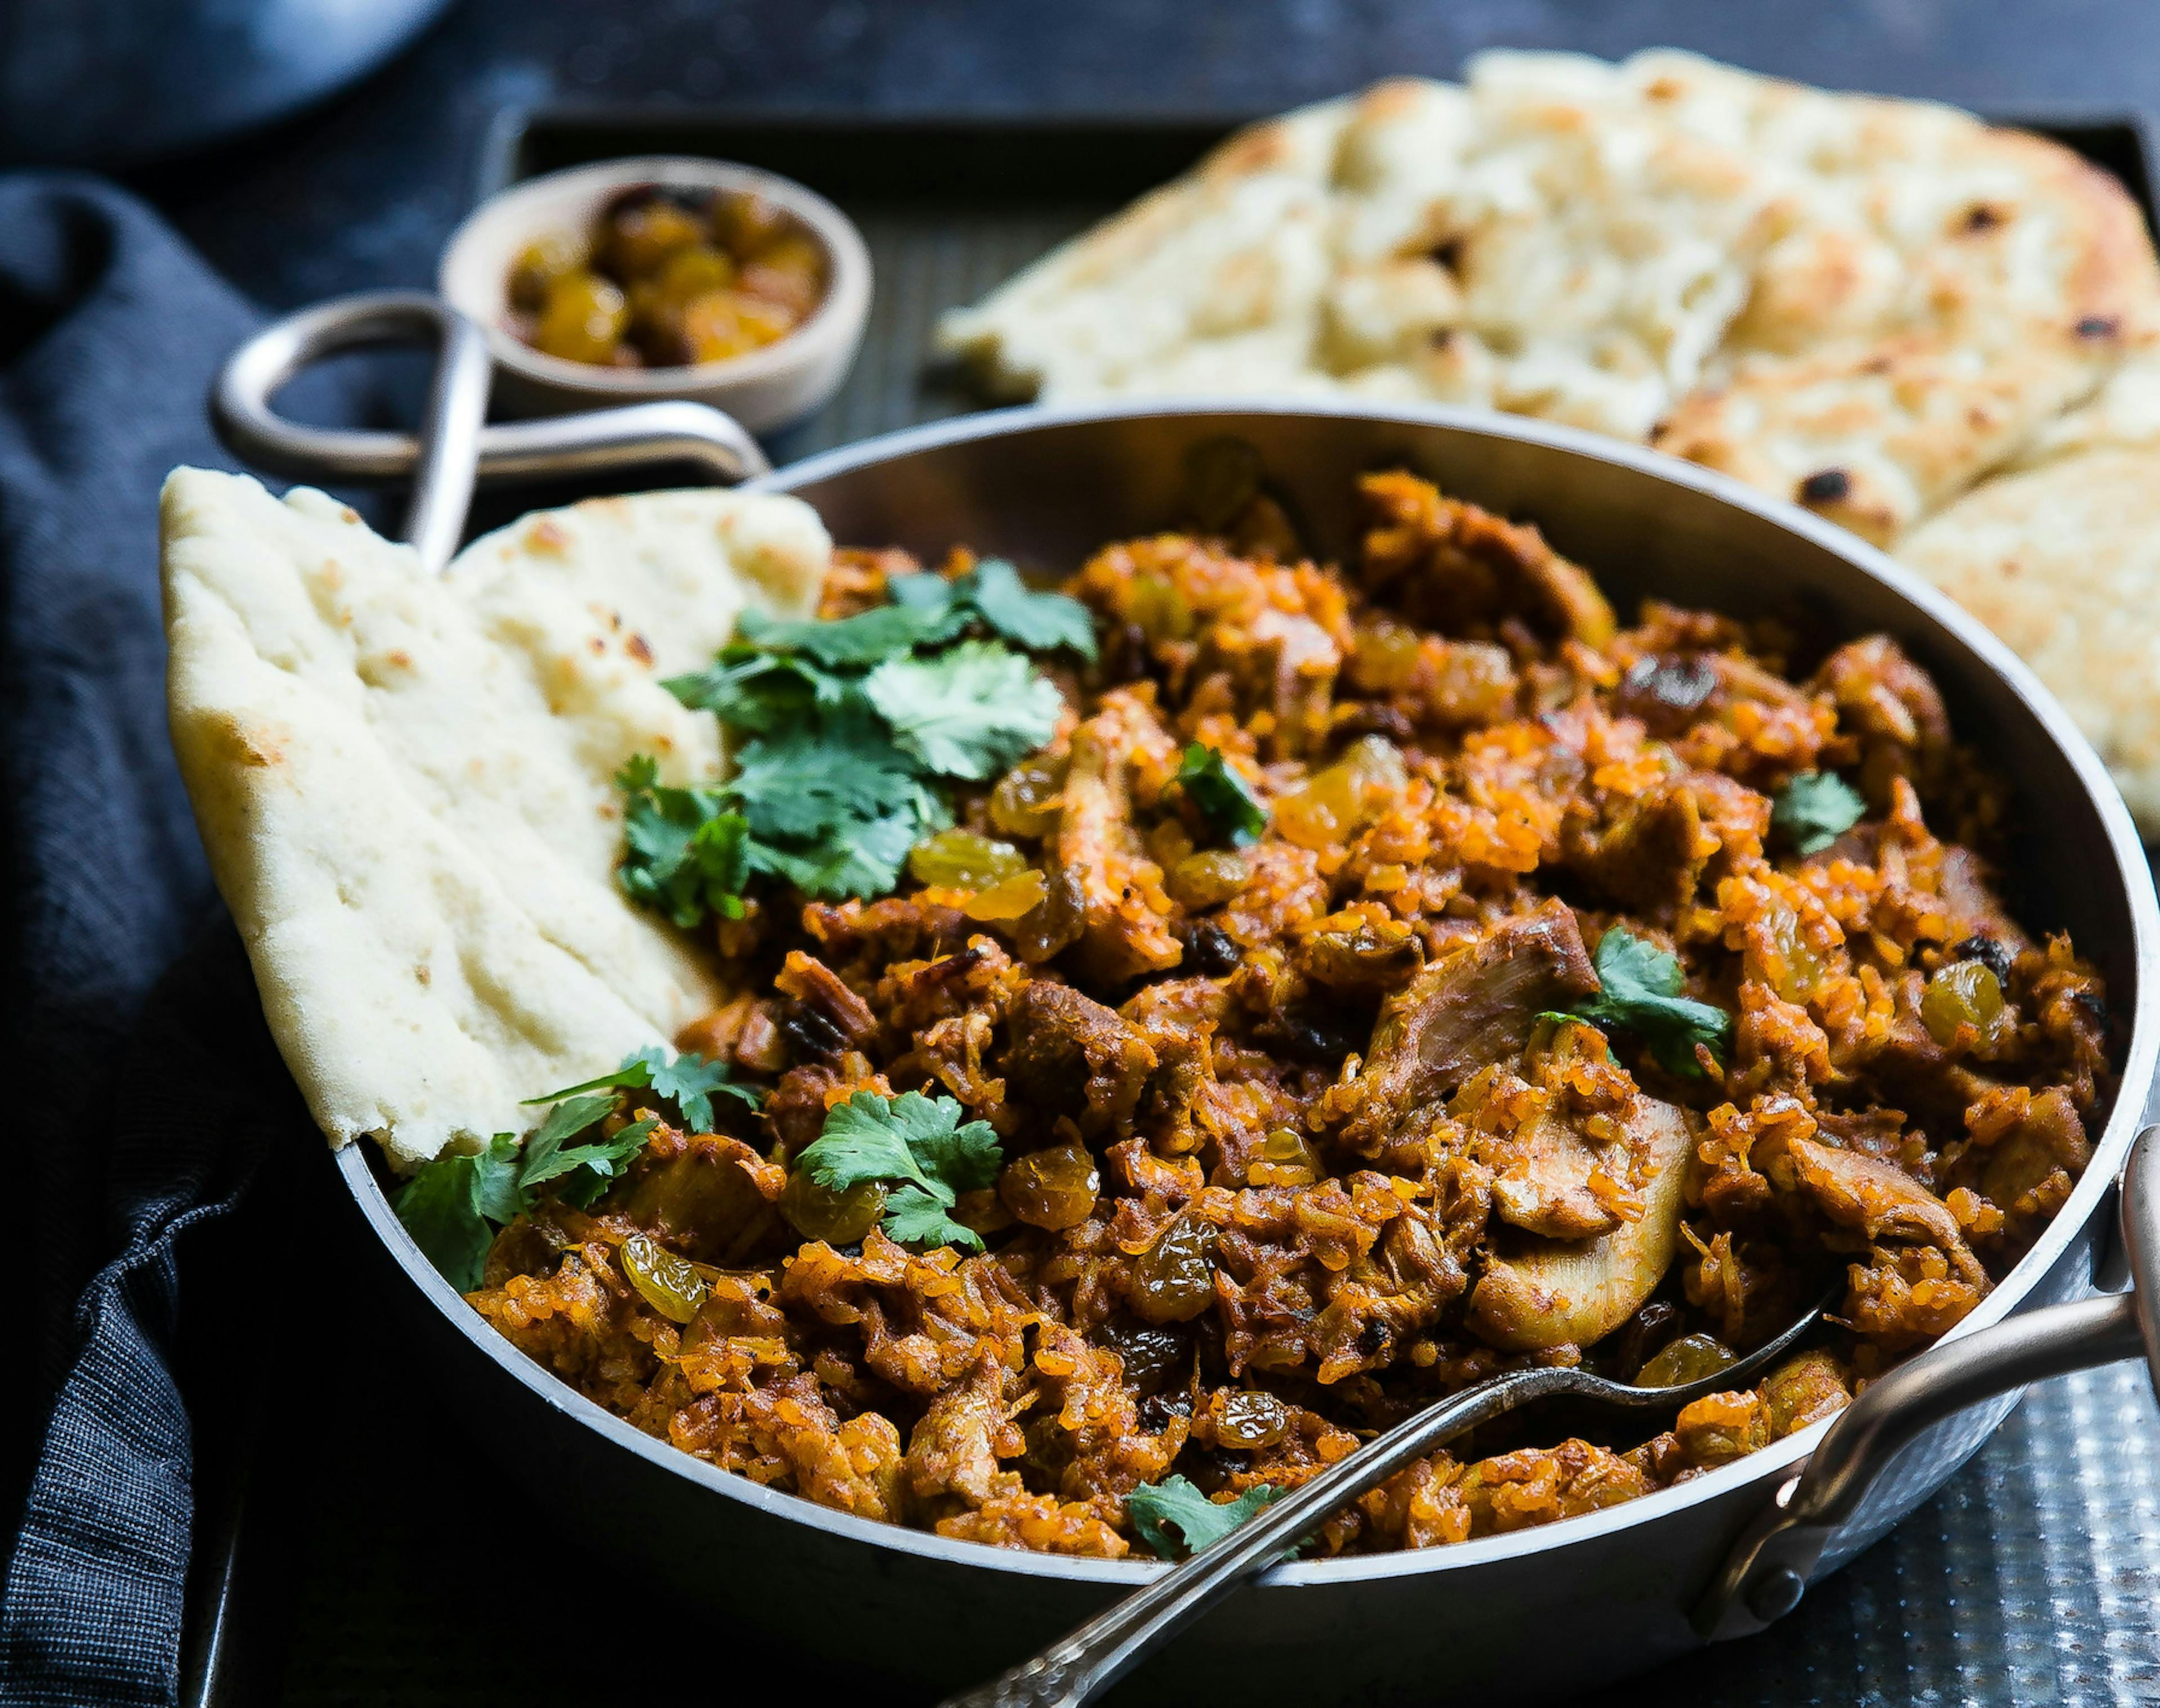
(1543, 1186)
(1549, 1293)
(1123, 936)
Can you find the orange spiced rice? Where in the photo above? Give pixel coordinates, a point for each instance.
(1297, 1129)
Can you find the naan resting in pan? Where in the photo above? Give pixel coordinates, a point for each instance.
(403, 781)
(1868, 307)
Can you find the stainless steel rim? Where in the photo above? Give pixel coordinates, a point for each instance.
(1768, 1468)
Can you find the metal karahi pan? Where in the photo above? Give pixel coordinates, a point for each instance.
(1515, 1617)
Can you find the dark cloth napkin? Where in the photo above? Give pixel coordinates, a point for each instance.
(146, 1094)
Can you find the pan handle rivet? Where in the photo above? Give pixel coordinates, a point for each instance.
(1776, 1594)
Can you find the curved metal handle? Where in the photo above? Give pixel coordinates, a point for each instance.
(596, 441)
(440, 459)
(1766, 1574)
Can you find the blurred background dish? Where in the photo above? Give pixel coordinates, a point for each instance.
(523, 256)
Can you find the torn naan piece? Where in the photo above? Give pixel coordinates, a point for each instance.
(404, 782)
(2059, 554)
(1867, 307)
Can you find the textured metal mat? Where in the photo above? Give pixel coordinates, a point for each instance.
(2032, 1581)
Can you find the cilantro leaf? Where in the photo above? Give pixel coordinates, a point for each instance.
(1200, 1522)
(564, 1121)
(994, 593)
(856, 856)
(446, 1207)
(913, 1217)
(689, 1082)
(865, 638)
(1041, 622)
(1641, 994)
(920, 1145)
(842, 733)
(820, 776)
(453, 1205)
(1814, 809)
(683, 851)
(969, 712)
(761, 692)
(603, 1160)
(1223, 797)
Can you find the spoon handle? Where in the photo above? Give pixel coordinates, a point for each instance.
(1094, 1655)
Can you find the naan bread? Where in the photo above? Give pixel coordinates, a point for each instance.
(1867, 307)
(403, 781)
(2059, 554)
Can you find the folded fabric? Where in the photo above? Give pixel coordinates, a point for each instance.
(134, 1129)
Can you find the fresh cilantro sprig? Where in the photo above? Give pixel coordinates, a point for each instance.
(967, 713)
(846, 735)
(919, 1143)
(453, 1206)
(689, 1082)
(1641, 994)
(1223, 797)
(993, 593)
(684, 851)
(1814, 809)
(1199, 1523)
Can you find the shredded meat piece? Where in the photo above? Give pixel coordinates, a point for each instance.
(1072, 1057)
(1473, 1008)
(1296, 1134)
(1127, 930)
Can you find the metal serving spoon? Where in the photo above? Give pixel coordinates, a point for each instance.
(1093, 1656)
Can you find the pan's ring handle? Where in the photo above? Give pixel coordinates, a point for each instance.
(1768, 1569)
(596, 441)
(440, 460)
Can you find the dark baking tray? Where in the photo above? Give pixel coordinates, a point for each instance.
(950, 205)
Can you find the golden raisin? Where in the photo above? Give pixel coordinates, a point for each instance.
(1008, 898)
(1204, 879)
(583, 319)
(960, 860)
(1963, 993)
(1249, 1421)
(669, 1284)
(1689, 1358)
(1330, 805)
(837, 1218)
(1055, 1188)
(1174, 1279)
(1026, 801)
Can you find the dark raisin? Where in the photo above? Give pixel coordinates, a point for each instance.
(1371, 718)
(1371, 1339)
(1448, 252)
(2094, 1005)
(1213, 953)
(1321, 1040)
(1980, 217)
(1994, 956)
(814, 1037)
(1826, 486)
(1666, 693)
(1151, 1354)
(2099, 326)
(1156, 1410)
(1647, 1331)
(1207, 1469)
(1173, 1280)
